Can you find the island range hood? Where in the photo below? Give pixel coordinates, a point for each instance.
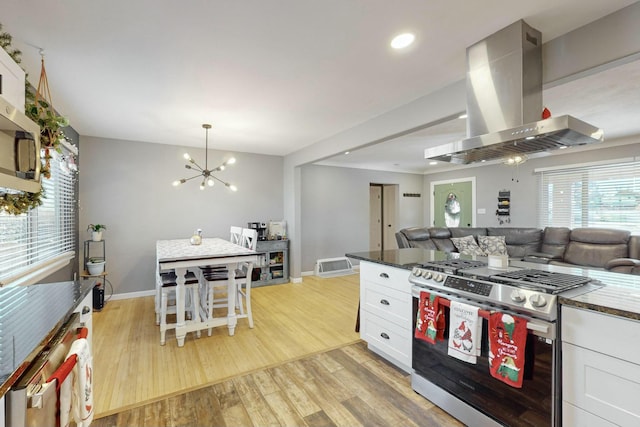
(504, 103)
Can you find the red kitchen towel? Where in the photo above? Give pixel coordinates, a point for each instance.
(507, 341)
(465, 332)
(430, 318)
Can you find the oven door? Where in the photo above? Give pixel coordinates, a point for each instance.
(471, 394)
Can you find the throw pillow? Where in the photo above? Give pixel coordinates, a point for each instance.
(467, 245)
(493, 245)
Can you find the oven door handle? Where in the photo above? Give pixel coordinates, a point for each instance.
(537, 327)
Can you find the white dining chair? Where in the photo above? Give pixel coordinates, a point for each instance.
(235, 234)
(217, 283)
(166, 292)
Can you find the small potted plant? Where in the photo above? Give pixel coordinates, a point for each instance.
(95, 266)
(96, 231)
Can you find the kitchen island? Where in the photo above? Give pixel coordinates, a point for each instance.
(598, 329)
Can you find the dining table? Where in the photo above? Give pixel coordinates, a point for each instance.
(179, 255)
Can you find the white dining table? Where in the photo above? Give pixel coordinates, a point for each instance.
(180, 255)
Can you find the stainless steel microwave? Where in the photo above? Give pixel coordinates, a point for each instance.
(19, 150)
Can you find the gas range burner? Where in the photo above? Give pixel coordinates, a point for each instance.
(552, 282)
(549, 282)
(451, 266)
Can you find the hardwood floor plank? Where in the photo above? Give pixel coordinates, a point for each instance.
(256, 406)
(331, 407)
(322, 375)
(284, 412)
(366, 414)
(319, 419)
(181, 410)
(206, 407)
(300, 400)
(266, 385)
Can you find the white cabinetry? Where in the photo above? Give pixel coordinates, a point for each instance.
(600, 369)
(12, 81)
(385, 312)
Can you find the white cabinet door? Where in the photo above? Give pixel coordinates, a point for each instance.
(600, 368)
(574, 416)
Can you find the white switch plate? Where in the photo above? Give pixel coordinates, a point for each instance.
(482, 211)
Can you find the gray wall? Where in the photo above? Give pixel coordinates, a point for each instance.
(524, 194)
(127, 186)
(335, 209)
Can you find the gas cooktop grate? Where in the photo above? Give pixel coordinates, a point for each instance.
(549, 279)
(452, 265)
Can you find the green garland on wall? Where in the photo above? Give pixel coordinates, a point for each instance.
(51, 132)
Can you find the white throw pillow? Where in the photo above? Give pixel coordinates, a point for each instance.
(493, 245)
(467, 245)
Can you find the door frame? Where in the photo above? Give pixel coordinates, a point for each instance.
(432, 185)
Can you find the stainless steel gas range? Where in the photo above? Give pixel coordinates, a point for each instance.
(468, 391)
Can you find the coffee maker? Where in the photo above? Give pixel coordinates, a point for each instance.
(261, 229)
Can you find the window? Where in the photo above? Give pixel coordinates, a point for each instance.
(35, 244)
(598, 195)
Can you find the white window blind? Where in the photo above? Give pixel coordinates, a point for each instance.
(605, 196)
(36, 239)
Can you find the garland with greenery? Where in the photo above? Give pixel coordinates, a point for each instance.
(42, 113)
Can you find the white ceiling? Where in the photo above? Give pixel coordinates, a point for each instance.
(271, 76)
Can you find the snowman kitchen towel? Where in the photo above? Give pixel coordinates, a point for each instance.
(507, 340)
(430, 319)
(465, 332)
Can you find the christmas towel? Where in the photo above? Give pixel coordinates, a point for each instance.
(507, 341)
(82, 383)
(465, 332)
(430, 321)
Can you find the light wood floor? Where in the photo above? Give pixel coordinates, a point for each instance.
(349, 386)
(302, 364)
(291, 321)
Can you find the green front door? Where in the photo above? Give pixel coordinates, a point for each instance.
(452, 204)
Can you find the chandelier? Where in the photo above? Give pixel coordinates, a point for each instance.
(207, 174)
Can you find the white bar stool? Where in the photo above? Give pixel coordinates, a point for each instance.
(166, 282)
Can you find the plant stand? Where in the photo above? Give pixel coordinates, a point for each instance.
(96, 249)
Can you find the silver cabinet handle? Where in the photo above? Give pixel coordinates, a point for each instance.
(86, 309)
(384, 335)
(384, 302)
(384, 275)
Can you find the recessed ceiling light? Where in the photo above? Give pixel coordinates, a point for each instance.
(462, 116)
(346, 152)
(433, 163)
(402, 40)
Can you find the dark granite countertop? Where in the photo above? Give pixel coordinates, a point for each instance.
(29, 318)
(619, 294)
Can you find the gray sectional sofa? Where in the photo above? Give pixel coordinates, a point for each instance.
(613, 250)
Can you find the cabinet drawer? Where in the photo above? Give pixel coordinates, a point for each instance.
(387, 336)
(601, 384)
(601, 332)
(271, 245)
(395, 278)
(387, 303)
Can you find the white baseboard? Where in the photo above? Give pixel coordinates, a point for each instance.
(129, 295)
(307, 273)
(296, 279)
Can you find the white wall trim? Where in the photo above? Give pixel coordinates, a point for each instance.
(582, 165)
(129, 295)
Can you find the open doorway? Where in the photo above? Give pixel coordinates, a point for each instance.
(383, 211)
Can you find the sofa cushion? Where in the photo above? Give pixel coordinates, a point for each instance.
(520, 241)
(424, 244)
(467, 231)
(555, 240)
(467, 245)
(416, 233)
(594, 247)
(492, 245)
(439, 233)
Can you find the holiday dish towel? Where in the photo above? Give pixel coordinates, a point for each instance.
(465, 332)
(82, 383)
(507, 341)
(430, 321)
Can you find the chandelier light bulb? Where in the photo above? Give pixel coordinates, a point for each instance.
(233, 188)
(187, 156)
(177, 182)
(210, 182)
(221, 168)
(231, 161)
(202, 185)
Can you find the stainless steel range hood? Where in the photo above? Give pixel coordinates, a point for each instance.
(504, 103)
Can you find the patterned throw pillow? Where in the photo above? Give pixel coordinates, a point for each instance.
(467, 245)
(493, 245)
